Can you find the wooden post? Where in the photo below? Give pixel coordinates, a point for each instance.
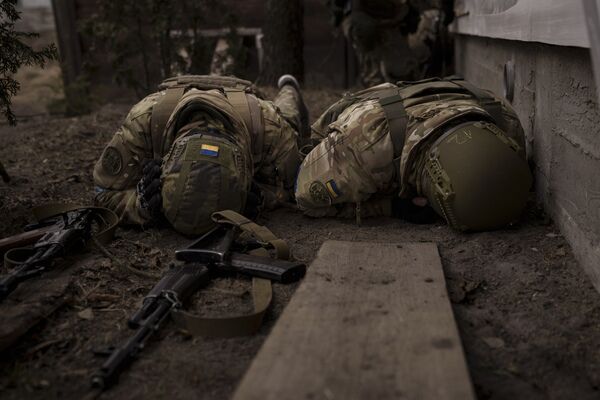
(69, 44)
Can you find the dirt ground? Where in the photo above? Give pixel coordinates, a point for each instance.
(528, 316)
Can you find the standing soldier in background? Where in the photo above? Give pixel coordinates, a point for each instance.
(198, 146)
(396, 40)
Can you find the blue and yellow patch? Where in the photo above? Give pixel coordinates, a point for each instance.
(333, 189)
(209, 150)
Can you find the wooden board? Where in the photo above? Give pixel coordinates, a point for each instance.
(370, 321)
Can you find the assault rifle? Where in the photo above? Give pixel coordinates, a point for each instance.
(71, 229)
(213, 252)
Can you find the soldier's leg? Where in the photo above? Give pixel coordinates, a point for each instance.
(399, 62)
(424, 41)
(291, 104)
(362, 34)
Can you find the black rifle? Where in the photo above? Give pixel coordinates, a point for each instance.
(73, 229)
(212, 252)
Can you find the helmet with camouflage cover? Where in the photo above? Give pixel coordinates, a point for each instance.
(476, 177)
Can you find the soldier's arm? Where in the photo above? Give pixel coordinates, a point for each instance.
(280, 160)
(119, 169)
(351, 165)
(446, 7)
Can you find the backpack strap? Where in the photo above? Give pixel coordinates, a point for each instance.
(249, 109)
(391, 100)
(236, 91)
(488, 102)
(161, 112)
(397, 119)
(260, 232)
(206, 82)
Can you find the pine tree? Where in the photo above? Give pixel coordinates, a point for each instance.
(283, 41)
(15, 53)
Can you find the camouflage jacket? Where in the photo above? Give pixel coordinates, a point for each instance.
(118, 170)
(355, 162)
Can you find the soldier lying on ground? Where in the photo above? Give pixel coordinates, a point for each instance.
(395, 40)
(392, 150)
(196, 147)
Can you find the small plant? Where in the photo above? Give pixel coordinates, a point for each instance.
(15, 53)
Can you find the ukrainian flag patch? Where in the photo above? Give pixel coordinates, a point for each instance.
(333, 189)
(209, 150)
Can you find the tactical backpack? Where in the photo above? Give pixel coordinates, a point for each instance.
(241, 94)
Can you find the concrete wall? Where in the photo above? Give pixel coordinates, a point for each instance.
(555, 97)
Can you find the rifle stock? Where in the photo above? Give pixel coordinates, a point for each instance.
(24, 239)
(74, 229)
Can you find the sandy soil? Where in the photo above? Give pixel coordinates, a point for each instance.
(528, 316)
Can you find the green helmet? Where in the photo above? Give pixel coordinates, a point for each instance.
(476, 177)
(205, 171)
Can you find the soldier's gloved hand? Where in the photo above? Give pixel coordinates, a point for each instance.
(415, 211)
(254, 202)
(149, 189)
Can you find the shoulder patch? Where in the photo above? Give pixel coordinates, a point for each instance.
(333, 189)
(209, 150)
(319, 194)
(112, 161)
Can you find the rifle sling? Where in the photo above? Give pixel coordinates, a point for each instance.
(108, 224)
(161, 112)
(224, 327)
(261, 233)
(262, 292)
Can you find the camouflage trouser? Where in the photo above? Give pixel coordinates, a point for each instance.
(291, 106)
(385, 54)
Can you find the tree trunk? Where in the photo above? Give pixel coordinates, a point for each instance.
(283, 41)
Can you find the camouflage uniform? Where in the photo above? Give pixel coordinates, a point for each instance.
(355, 165)
(119, 169)
(393, 39)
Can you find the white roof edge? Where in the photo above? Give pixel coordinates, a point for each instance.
(556, 22)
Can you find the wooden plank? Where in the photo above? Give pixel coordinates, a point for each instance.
(557, 22)
(369, 321)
